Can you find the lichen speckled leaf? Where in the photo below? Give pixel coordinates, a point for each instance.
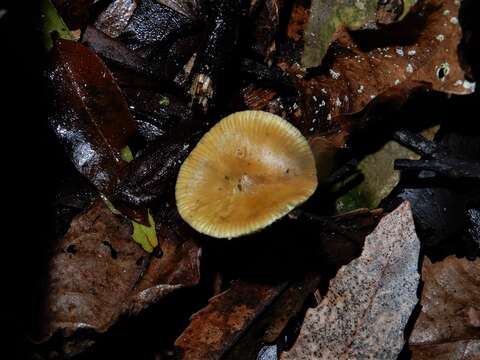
(449, 321)
(369, 301)
(328, 16)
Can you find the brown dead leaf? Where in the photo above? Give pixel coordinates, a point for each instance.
(97, 274)
(217, 327)
(455, 350)
(248, 314)
(449, 322)
(369, 301)
(272, 323)
(421, 50)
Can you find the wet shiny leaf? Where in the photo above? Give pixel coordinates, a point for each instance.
(90, 115)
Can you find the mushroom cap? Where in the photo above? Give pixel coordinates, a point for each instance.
(250, 169)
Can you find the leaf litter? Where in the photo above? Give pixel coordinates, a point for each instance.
(373, 59)
(369, 301)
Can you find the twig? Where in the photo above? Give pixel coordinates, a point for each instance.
(416, 142)
(452, 168)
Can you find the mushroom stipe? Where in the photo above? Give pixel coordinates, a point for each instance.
(249, 170)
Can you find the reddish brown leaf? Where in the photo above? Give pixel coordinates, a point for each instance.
(90, 115)
(449, 322)
(421, 50)
(97, 273)
(257, 98)
(216, 328)
(455, 350)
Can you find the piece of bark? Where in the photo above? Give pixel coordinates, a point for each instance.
(116, 16)
(97, 273)
(449, 321)
(265, 28)
(369, 301)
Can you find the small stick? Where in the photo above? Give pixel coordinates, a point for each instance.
(452, 168)
(415, 142)
(340, 174)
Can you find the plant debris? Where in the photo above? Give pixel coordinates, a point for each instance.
(125, 90)
(370, 300)
(449, 321)
(97, 274)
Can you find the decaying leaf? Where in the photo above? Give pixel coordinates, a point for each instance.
(97, 274)
(369, 301)
(266, 25)
(419, 51)
(327, 17)
(90, 115)
(449, 321)
(249, 314)
(216, 328)
(455, 350)
(269, 326)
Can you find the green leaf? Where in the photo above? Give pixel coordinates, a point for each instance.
(379, 176)
(407, 5)
(328, 16)
(144, 235)
(52, 22)
(126, 154)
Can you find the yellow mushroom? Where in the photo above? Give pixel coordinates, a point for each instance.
(249, 170)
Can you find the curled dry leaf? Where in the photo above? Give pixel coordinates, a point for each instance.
(449, 321)
(369, 301)
(97, 274)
